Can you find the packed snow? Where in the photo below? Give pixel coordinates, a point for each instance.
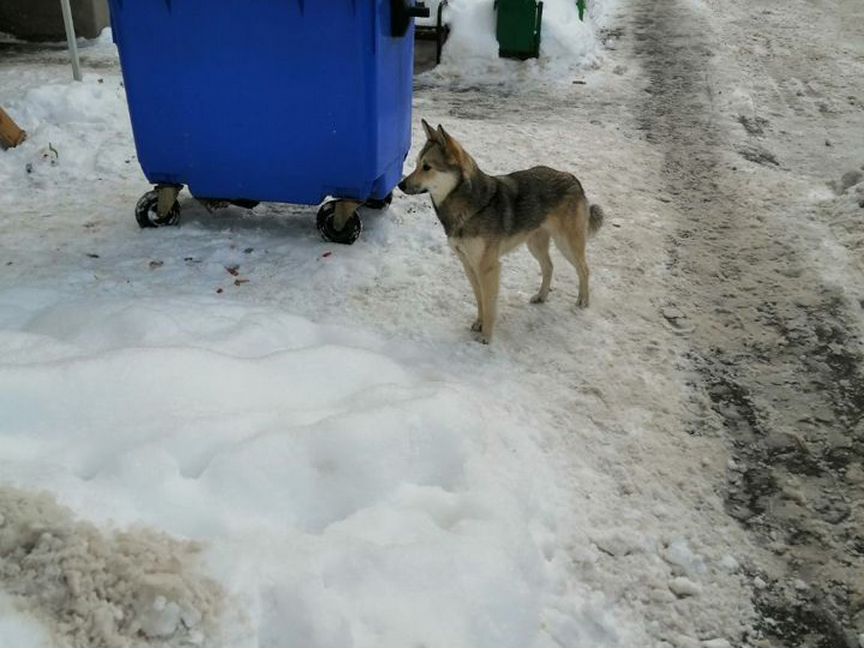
(567, 44)
(352, 468)
(350, 498)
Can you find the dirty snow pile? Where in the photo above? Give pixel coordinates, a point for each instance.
(567, 43)
(97, 589)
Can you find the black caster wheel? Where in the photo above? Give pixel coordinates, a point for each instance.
(379, 203)
(147, 212)
(349, 233)
(246, 204)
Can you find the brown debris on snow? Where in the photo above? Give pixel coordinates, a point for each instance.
(97, 588)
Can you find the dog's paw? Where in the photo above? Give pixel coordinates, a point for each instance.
(477, 326)
(582, 301)
(484, 339)
(539, 298)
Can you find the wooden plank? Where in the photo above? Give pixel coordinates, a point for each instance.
(10, 134)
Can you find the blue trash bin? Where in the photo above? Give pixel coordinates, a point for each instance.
(268, 100)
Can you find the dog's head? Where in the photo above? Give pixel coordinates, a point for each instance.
(442, 165)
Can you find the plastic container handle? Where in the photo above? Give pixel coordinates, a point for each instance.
(401, 13)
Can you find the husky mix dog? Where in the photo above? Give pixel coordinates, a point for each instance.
(486, 216)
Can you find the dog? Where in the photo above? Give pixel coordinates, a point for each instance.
(485, 217)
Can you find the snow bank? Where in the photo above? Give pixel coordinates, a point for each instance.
(346, 498)
(567, 43)
(98, 589)
(72, 141)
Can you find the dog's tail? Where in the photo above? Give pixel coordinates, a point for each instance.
(595, 219)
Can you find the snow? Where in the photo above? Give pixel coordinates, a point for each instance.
(357, 470)
(351, 491)
(337, 475)
(20, 629)
(356, 479)
(102, 589)
(716, 643)
(682, 586)
(679, 554)
(567, 44)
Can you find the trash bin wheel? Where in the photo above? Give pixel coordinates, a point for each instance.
(147, 211)
(326, 222)
(379, 203)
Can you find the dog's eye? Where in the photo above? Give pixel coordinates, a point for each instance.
(426, 166)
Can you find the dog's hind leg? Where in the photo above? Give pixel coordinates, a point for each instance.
(570, 240)
(538, 244)
(475, 285)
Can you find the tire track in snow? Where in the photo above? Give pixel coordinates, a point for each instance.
(779, 365)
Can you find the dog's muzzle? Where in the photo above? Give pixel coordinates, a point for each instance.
(408, 189)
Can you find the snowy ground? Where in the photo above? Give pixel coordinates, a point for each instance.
(357, 469)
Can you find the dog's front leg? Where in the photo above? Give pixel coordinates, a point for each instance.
(490, 280)
(475, 285)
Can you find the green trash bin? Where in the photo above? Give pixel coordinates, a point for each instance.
(518, 28)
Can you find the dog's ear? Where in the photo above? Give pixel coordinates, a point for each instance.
(450, 144)
(431, 133)
(455, 151)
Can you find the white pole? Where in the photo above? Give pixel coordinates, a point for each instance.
(70, 39)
